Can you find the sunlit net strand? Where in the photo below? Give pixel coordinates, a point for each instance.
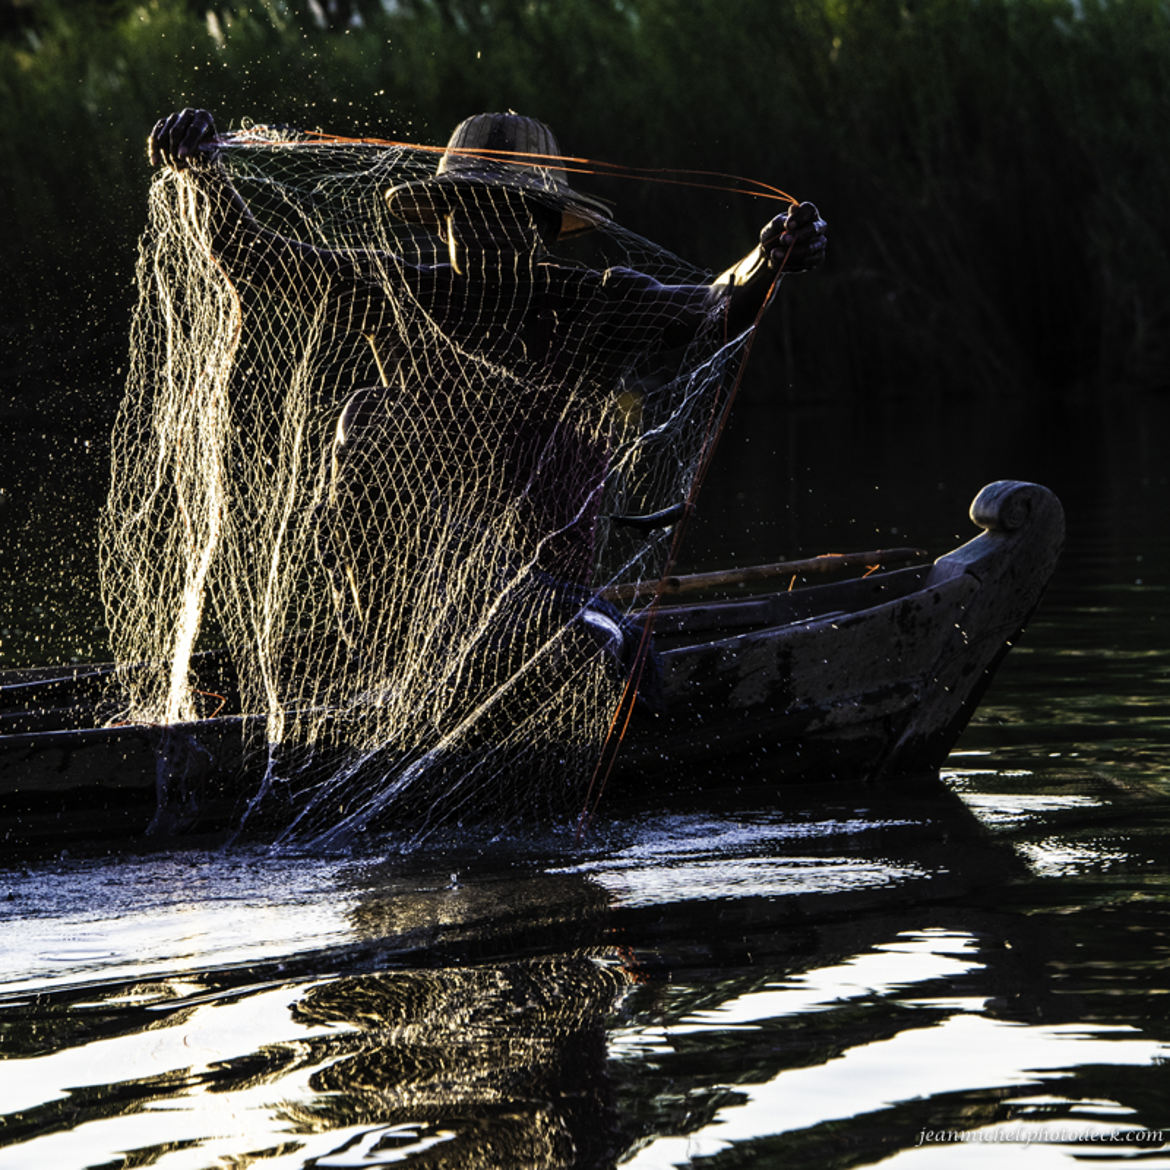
(404, 608)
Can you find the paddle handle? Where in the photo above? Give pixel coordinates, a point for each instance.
(825, 563)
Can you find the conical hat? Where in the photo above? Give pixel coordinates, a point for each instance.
(517, 152)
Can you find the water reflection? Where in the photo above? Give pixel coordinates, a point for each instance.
(816, 982)
(456, 1067)
(912, 1028)
(495, 1063)
(530, 1019)
(454, 1011)
(503, 1065)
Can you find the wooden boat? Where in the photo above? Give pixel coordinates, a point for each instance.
(867, 679)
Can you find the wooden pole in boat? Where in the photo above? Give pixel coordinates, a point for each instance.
(824, 564)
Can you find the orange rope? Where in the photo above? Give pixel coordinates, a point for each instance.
(212, 695)
(571, 164)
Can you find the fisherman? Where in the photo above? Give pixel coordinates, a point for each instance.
(498, 202)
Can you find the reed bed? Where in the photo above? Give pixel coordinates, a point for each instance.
(993, 170)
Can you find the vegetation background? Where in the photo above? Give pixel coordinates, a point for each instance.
(994, 173)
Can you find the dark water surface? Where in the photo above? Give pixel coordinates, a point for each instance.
(977, 974)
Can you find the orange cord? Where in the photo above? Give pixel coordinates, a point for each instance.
(571, 164)
(211, 695)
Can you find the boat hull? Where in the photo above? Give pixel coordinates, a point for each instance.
(871, 680)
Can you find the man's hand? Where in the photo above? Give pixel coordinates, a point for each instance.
(796, 241)
(182, 140)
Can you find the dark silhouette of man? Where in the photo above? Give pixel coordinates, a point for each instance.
(531, 337)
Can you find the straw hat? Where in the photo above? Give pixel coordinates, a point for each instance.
(525, 162)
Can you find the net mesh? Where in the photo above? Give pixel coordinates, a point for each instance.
(371, 453)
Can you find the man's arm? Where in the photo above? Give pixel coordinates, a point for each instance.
(794, 242)
(252, 255)
(249, 254)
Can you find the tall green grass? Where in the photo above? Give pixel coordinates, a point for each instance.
(993, 170)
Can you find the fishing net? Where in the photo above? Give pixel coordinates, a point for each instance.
(382, 481)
